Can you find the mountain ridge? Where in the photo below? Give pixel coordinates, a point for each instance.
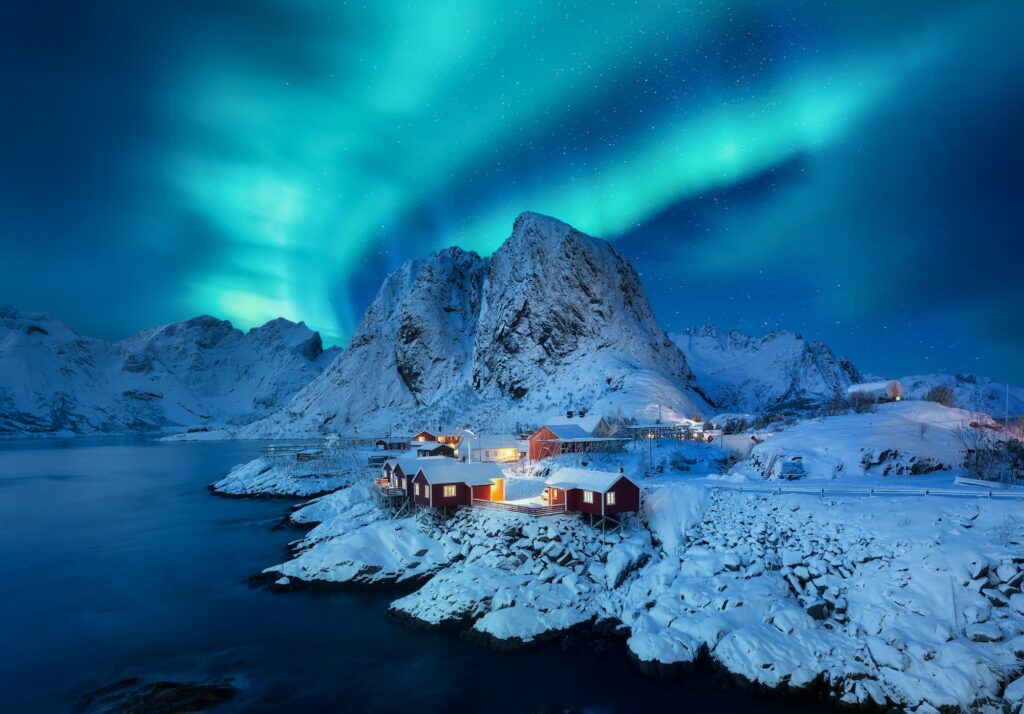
(552, 319)
(197, 373)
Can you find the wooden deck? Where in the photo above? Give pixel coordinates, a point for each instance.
(384, 489)
(519, 508)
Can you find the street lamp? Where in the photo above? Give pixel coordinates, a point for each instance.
(469, 457)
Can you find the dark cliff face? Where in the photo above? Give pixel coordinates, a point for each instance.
(435, 323)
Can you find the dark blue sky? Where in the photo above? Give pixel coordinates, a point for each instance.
(851, 172)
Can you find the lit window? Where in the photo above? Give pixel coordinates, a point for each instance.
(449, 491)
(417, 488)
(401, 483)
(609, 498)
(588, 496)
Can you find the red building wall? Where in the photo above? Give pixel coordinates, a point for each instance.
(423, 498)
(463, 495)
(627, 499)
(556, 496)
(540, 445)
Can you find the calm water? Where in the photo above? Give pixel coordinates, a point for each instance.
(116, 561)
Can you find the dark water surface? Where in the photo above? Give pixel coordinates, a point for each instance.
(115, 561)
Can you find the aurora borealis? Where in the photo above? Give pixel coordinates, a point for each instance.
(849, 171)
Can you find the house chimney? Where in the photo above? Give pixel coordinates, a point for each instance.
(622, 470)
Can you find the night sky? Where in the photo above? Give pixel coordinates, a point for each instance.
(849, 171)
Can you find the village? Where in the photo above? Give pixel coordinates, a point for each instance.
(554, 469)
(599, 468)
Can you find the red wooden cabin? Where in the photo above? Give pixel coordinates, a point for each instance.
(596, 493)
(549, 439)
(443, 483)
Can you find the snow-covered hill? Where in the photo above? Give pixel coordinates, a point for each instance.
(901, 438)
(755, 374)
(971, 392)
(553, 320)
(202, 372)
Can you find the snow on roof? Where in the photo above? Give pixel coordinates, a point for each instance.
(497, 441)
(411, 464)
(450, 471)
(870, 387)
(568, 431)
(445, 431)
(311, 452)
(588, 423)
(600, 481)
(589, 439)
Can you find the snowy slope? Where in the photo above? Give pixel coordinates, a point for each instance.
(972, 392)
(553, 320)
(195, 373)
(754, 374)
(900, 438)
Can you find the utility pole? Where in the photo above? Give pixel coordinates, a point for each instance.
(1006, 411)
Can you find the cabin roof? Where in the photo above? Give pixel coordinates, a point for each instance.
(567, 431)
(588, 439)
(449, 471)
(588, 423)
(587, 479)
(497, 441)
(310, 452)
(411, 464)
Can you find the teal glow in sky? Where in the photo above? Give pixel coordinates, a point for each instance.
(805, 167)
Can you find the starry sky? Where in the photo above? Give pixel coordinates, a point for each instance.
(848, 171)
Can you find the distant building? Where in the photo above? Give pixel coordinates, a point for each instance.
(392, 443)
(500, 448)
(434, 448)
(452, 436)
(881, 391)
(557, 439)
(593, 424)
(308, 455)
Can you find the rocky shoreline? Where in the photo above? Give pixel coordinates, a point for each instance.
(799, 597)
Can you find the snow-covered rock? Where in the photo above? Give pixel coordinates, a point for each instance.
(201, 373)
(885, 602)
(781, 370)
(877, 601)
(554, 319)
(276, 476)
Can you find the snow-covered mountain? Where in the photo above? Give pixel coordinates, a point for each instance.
(971, 392)
(754, 374)
(202, 372)
(554, 319)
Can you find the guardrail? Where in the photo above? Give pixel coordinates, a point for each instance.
(882, 491)
(518, 508)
